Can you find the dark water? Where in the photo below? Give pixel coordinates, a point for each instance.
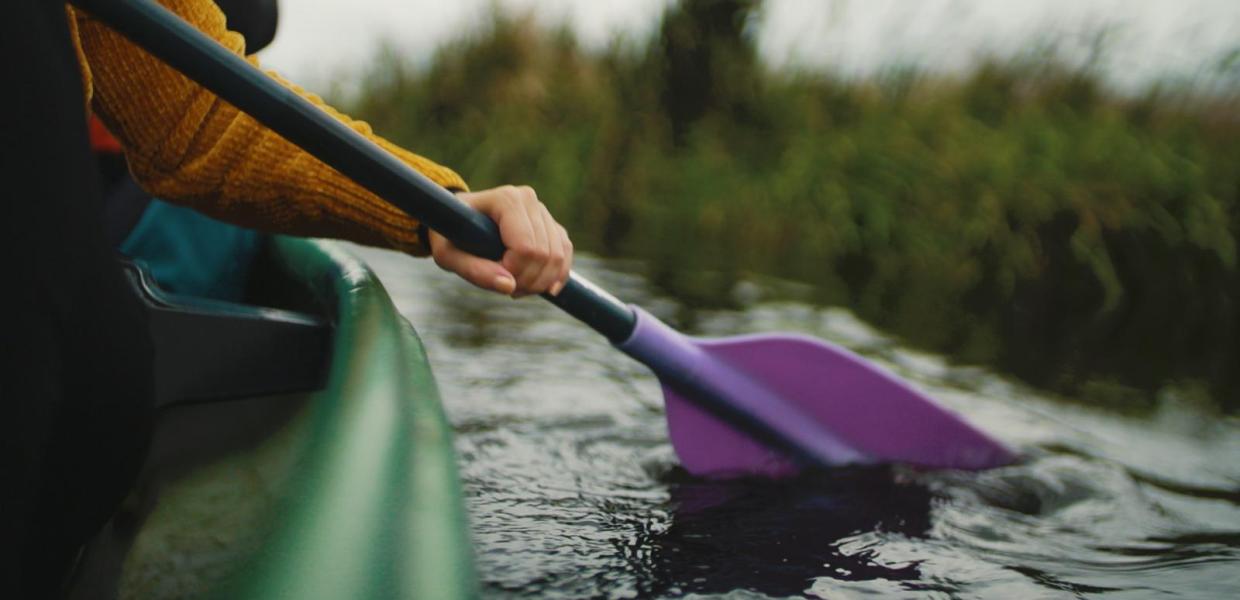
(574, 491)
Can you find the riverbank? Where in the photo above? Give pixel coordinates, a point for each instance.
(1021, 215)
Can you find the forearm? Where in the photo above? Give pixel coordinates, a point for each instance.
(186, 145)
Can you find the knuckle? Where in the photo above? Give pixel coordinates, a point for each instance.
(525, 249)
(508, 195)
(539, 254)
(528, 195)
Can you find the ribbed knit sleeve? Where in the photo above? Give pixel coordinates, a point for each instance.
(187, 146)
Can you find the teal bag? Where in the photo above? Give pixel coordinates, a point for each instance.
(192, 254)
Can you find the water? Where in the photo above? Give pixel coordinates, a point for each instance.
(574, 491)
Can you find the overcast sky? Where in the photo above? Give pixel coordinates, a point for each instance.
(323, 38)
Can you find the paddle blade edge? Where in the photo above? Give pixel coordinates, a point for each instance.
(831, 405)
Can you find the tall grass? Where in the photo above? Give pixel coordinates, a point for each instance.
(1021, 215)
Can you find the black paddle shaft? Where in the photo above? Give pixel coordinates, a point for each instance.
(212, 66)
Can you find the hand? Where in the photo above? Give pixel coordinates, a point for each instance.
(538, 255)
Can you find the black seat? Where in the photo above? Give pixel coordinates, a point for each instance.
(211, 350)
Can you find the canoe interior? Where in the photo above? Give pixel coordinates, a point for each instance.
(348, 492)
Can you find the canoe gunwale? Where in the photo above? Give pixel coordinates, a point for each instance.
(363, 499)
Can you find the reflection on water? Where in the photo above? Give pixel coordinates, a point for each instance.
(574, 491)
(775, 538)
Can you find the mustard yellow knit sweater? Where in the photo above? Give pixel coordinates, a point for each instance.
(186, 145)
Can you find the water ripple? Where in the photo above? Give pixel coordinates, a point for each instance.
(574, 491)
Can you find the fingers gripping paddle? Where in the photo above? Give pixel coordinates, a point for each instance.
(755, 405)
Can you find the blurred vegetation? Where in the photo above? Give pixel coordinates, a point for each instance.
(1021, 215)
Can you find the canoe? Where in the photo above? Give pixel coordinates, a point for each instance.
(349, 490)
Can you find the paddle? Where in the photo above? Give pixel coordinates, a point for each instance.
(754, 405)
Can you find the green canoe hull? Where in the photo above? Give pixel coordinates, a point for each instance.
(348, 492)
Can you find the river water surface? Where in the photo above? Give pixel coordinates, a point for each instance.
(574, 491)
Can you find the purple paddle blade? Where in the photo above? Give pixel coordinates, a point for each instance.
(829, 404)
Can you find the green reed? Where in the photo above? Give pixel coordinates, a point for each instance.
(1022, 215)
